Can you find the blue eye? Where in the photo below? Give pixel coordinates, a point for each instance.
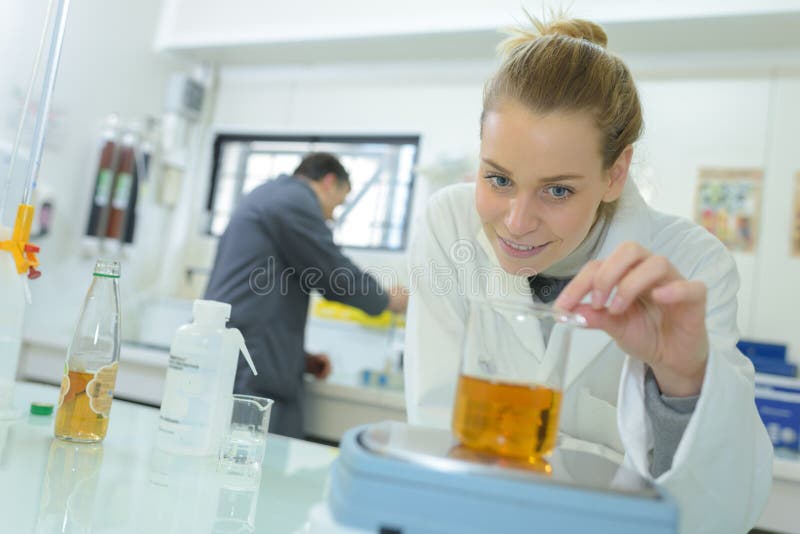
(559, 191)
(498, 181)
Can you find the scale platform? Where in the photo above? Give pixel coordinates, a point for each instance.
(395, 478)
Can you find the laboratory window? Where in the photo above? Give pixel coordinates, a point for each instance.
(375, 214)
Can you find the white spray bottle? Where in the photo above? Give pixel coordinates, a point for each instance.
(198, 393)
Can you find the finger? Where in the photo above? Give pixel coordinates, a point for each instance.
(624, 258)
(574, 292)
(681, 291)
(601, 319)
(640, 279)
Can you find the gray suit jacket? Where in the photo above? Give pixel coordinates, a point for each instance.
(276, 249)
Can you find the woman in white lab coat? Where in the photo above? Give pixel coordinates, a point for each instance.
(657, 381)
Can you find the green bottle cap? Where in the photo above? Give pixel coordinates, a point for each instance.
(41, 408)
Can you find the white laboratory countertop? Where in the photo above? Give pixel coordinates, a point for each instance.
(127, 486)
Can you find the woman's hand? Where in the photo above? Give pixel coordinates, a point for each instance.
(656, 315)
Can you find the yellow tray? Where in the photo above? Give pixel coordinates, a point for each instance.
(336, 311)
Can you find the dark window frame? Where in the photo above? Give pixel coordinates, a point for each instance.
(220, 138)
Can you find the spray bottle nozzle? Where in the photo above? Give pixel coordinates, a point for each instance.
(245, 352)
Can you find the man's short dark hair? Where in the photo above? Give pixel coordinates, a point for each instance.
(317, 164)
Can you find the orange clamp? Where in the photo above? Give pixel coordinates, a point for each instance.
(23, 252)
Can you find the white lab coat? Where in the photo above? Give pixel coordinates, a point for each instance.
(722, 469)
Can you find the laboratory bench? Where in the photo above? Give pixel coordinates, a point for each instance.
(127, 485)
(342, 402)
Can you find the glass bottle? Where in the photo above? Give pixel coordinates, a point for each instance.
(90, 371)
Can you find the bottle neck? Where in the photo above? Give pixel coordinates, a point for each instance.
(104, 283)
(214, 322)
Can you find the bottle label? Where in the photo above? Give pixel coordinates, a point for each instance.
(122, 191)
(187, 391)
(65, 383)
(100, 389)
(103, 191)
(191, 398)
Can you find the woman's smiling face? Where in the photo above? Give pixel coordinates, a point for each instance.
(540, 182)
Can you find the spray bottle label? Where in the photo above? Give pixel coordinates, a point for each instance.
(190, 398)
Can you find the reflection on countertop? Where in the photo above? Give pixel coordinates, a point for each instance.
(126, 485)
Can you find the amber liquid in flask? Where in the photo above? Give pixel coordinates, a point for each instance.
(512, 420)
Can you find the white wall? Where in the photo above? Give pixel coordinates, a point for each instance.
(701, 123)
(730, 121)
(776, 287)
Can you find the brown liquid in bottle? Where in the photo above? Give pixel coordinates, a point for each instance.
(101, 197)
(77, 418)
(120, 198)
(512, 420)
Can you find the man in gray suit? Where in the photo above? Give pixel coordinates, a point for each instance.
(276, 249)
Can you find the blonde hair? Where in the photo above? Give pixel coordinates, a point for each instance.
(564, 66)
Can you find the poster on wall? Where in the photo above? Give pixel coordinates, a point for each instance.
(796, 217)
(727, 204)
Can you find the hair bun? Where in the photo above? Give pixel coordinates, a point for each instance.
(578, 28)
(520, 37)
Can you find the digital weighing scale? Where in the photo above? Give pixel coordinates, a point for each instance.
(395, 478)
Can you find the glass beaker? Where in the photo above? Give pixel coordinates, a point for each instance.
(509, 392)
(242, 450)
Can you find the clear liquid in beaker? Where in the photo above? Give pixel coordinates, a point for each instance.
(242, 453)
